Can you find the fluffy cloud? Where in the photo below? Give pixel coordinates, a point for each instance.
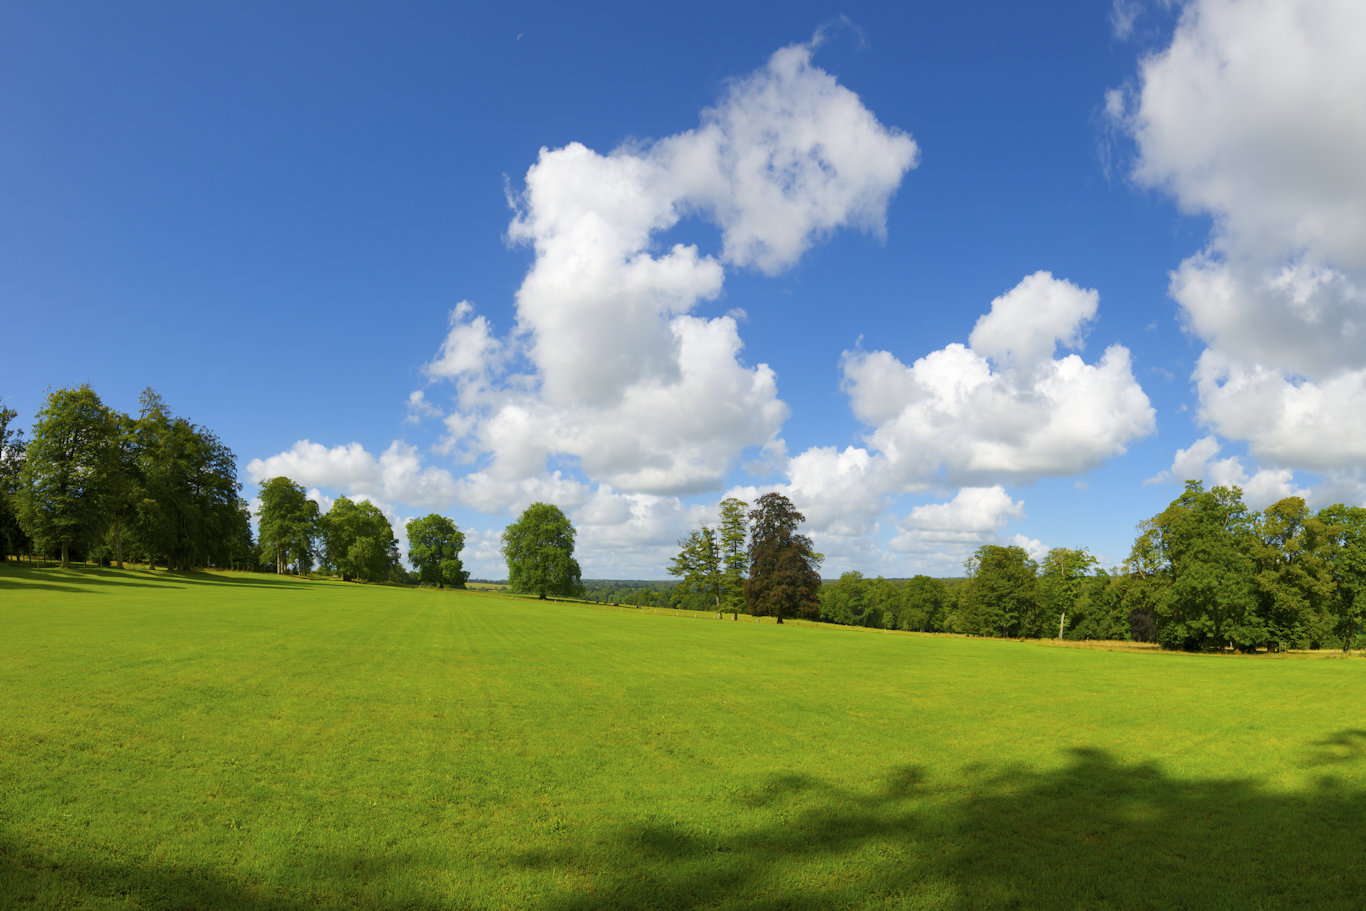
(623, 381)
(1002, 407)
(1285, 420)
(787, 157)
(1252, 116)
(1260, 488)
(943, 535)
(609, 395)
(397, 475)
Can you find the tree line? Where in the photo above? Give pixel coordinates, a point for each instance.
(354, 539)
(96, 485)
(1206, 573)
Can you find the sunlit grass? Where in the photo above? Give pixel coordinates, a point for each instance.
(248, 741)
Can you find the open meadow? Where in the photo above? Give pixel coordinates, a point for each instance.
(251, 741)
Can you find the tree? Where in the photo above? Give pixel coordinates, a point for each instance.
(923, 603)
(358, 541)
(1205, 537)
(1061, 578)
(242, 550)
(698, 563)
(850, 601)
(1001, 594)
(12, 537)
(183, 483)
(1345, 527)
(61, 499)
(1294, 582)
(732, 539)
(288, 526)
(539, 549)
(784, 578)
(434, 545)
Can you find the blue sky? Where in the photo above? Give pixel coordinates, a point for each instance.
(945, 274)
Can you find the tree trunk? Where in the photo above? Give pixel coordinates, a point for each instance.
(66, 556)
(1061, 621)
(118, 543)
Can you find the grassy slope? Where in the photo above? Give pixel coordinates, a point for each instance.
(243, 741)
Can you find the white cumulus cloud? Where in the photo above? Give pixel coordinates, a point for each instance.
(1002, 407)
(1252, 115)
(620, 378)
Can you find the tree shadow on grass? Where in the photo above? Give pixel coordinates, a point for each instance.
(355, 879)
(28, 880)
(86, 580)
(91, 580)
(1096, 833)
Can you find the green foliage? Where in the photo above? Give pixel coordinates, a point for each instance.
(13, 540)
(434, 545)
(784, 577)
(97, 480)
(178, 485)
(924, 605)
(358, 541)
(1345, 529)
(712, 564)
(64, 489)
(1062, 577)
(539, 549)
(699, 567)
(733, 538)
(288, 525)
(1294, 581)
(853, 601)
(1001, 595)
(1200, 548)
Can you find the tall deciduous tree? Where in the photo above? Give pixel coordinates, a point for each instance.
(12, 537)
(851, 601)
(1206, 537)
(358, 541)
(698, 564)
(288, 524)
(62, 500)
(784, 568)
(1345, 527)
(185, 483)
(1294, 582)
(539, 549)
(1061, 577)
(434, 545)
(1000, 597)
(923, 605)
(732, 539)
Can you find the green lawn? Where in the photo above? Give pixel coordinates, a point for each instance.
(247, 741)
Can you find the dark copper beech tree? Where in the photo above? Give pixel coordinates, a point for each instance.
(784, 578)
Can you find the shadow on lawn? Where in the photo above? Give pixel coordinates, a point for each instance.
(352, 880)
(27, 880)
(81, 580)
(1096, 833)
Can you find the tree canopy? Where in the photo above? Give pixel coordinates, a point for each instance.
(539, 549)
(288, 525)
(358, 541)
(63, 494)
(12, 450)
(784, 568)
(434, 545)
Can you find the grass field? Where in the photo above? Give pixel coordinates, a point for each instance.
(253, 742)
